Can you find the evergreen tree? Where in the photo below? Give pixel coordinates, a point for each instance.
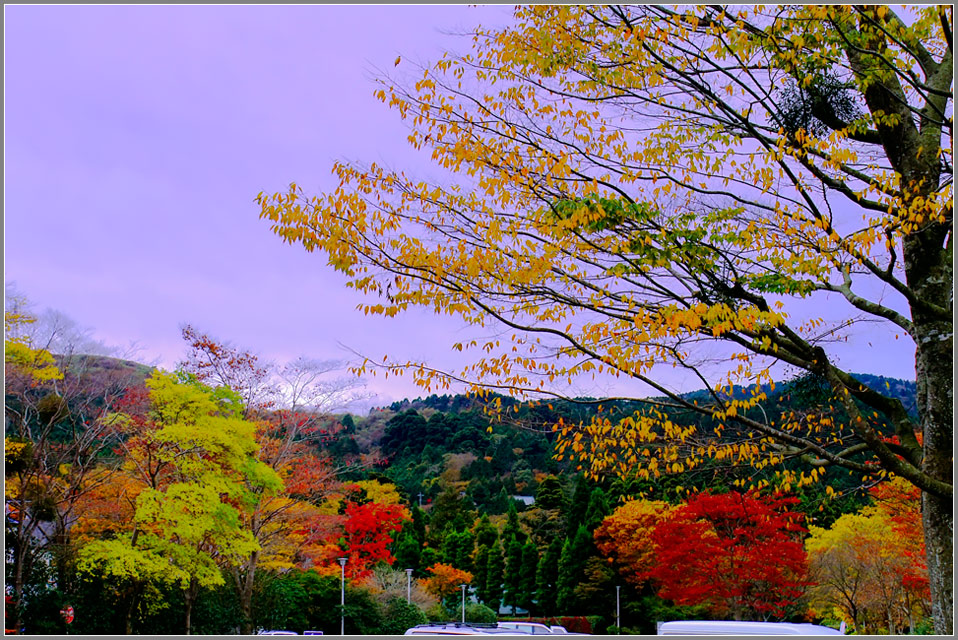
(457, 549)
(598, 509)
(500, 504)
(547, 576)
(407, 549)
(527, 575)
(513, 529)
(575, 554)
(486, 533)
(513, 577)
(578, 505)
(480, 573)
(450, 510)
(494, 574)
(549, 494)
(349, 426)
(429, 557)
(419, 519)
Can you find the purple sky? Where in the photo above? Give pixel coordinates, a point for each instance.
(136, 138)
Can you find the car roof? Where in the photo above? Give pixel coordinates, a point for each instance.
(736, 627)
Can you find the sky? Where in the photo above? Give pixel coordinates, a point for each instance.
(137, 137)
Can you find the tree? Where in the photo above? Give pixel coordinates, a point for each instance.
(512, 594)
(578, 505)
(368, 534)
(549, 494)
(290, 402)
(625, 536)
(512, 529)
(527, 575)
(575, 553)
(494, 576)
(195, 457)
(740, 555)
(870, 564)
(56, 442)
(597, 510)
(626, 183)
(480, 576)
(407, 549)
(547, 577)
(486, 533)
(445, 582)
(457, 548)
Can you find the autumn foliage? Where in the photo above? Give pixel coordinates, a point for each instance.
(870, 566)
(739, 554)
(626, 537)
(445, 580)
(368, 533)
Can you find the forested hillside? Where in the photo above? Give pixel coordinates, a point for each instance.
(111, 465)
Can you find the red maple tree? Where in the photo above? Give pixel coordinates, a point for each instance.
(368, 530)
(738, 554)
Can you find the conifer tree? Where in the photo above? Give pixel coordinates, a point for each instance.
(513, 529)
(407, 549)
(494, 575)
(547, 577)
(481, 572)
(513, 577)
(486, 533)
(527, 575)
(575, 553)
(597, 510)
(549, 494)
(578, 505)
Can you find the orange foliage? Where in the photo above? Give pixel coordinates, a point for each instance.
(445, 580)
(625, 537)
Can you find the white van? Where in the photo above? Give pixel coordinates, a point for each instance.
(738, 628)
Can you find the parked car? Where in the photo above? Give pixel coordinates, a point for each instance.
(537, 629)
(459, 629)
(739, 628)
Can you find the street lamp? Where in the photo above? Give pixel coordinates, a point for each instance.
(463, 586)
(408, 586)
(342, 596)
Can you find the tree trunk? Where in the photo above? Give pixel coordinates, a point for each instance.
(244, 586)
(934, 369)
(189, 598)
(134, 592)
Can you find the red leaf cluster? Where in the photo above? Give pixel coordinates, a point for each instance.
(740, 555)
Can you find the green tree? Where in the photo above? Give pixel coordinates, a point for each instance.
(196, 457)
(512, 594)
(494, 577)
(547, 577)
(575, 554)
(407, 549)
(787, 158)
(399, 616)
(486, 533)
(480, 573)
(527, 575)
(549, 494)
(513, 529)
(579, 504)
(457, 549)
(597, 510)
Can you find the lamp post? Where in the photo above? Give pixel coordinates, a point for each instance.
(618, 622)
(408, 586)
(342, 596)
(463, 587)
